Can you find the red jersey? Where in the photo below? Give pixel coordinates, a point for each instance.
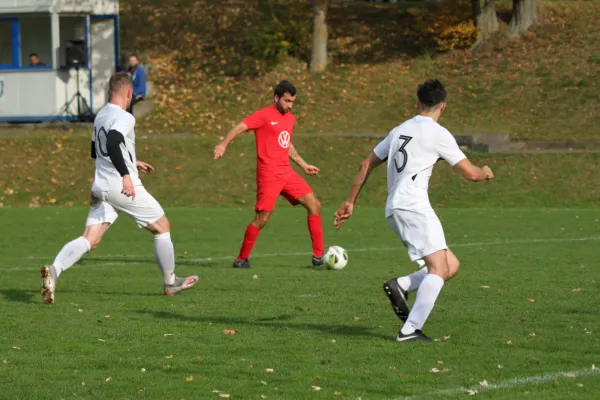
(273, 132)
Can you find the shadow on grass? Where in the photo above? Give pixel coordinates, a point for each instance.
(273, 322)
(18, 295)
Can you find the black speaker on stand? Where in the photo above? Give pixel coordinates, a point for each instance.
(76, 56)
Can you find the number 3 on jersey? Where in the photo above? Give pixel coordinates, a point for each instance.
(402, 158)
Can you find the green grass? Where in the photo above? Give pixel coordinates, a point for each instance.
(110, 320)
(46, 169)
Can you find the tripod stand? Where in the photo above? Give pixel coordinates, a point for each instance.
(80, 116)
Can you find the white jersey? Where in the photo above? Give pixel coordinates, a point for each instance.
(108, 118)
(411, 151)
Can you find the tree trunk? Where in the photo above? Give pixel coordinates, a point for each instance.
(476, 5)
(524, 15)
(318, 60)
(487, 20)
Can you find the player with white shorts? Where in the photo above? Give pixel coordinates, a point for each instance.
(117, 188)
(411, 150)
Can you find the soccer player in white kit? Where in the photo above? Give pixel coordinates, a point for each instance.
(118, 188)
(411, 150)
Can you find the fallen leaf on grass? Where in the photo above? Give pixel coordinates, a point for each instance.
(262, 396)
(169, 356)
(230, 331)
(440, 362)
(80, 310)
(484, 287)
(269, 370)
(576, 290)
(531, 300)
(83, 383)
(254, 277)
(189, 378)
(5, 362)
(101, 340)
(107, 316)
(500, 366)
(434, 370)
(356, 319)
(108, 379)
(316, 388)
(593, 366)
(333, 341)
(224, 395)
(571, 375)
(167, 334)
(447, 337)
(143, 370)
(472, 392)
(531, 334)
(484, 383)
(16, 347)
(263, 382)
(337, 393)
(580, 384)
(509, 342)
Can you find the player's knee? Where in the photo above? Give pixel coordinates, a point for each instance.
(94, 241)
(261, 220)
(453, 267)
(315, 208)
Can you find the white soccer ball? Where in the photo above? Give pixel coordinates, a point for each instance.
(335, 258)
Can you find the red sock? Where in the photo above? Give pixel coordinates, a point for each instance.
(315, 227)
(249, 240)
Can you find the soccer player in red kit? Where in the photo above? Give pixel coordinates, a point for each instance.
(273, 127)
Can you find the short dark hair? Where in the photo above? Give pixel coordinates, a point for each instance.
(284, 87)
(34, 55)
(117, 82)
(431, 93)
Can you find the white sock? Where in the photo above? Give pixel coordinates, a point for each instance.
(411, 282)
(426, 295)
(70, 254)
(165, 256)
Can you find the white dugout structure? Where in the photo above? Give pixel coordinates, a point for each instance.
(78, 40)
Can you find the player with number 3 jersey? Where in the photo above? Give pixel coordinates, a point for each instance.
(411, 150)
(273, 127)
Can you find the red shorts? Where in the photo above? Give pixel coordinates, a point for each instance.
(291, 186)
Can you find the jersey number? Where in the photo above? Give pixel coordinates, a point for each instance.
(402, 157)
(98, 136)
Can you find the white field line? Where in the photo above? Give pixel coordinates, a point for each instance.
(507, 384)
(124, 257)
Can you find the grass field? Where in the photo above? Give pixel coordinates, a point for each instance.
(521, 315)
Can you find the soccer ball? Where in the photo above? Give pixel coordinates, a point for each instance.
(335, 258)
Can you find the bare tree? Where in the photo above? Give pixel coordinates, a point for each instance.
(318, 61)
(523, 17)
(485, 18)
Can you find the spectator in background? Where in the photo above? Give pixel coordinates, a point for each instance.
(138, 76)
(34, 61)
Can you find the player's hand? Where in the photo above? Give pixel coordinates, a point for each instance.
(145, 167)
(311, 170)
(219, 151)
(128, 189)
(489, 175)
(342, 214)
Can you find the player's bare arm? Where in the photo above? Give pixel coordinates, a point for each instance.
(237, 130)
(296, 158)
(364, 170)
(473, 173)
(114, 139)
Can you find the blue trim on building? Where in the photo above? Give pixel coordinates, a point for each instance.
(16, 43)
(27, 68)
(44, 118)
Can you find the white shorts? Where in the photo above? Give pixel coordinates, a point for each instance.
(105, 207)
(420, 231)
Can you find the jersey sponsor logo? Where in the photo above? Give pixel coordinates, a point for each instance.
(274, 122)
(284, 139)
